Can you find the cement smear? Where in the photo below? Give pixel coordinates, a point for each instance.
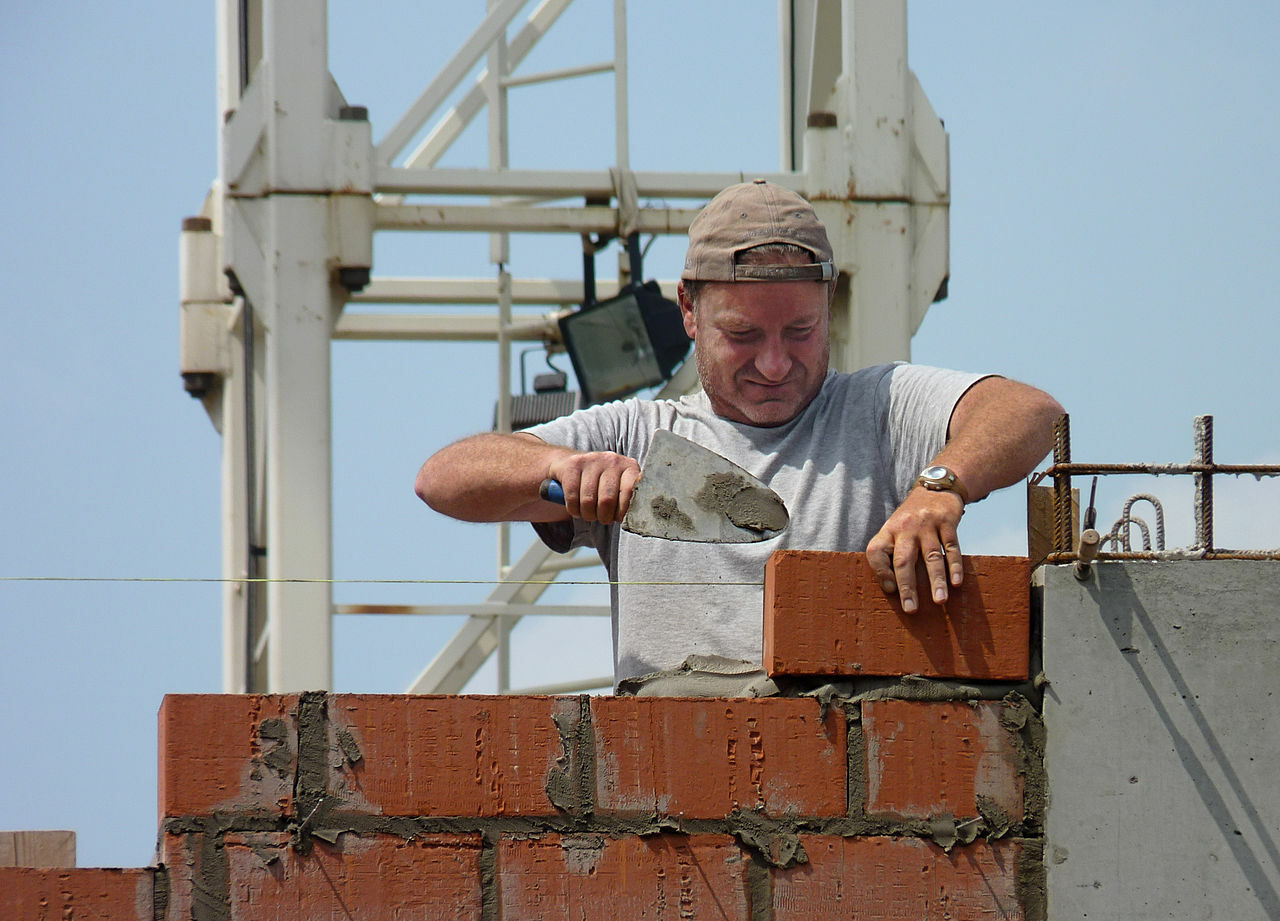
(747, 506)
(571, 783)
(667, 510)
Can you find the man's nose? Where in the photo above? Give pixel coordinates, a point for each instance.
(773, 361)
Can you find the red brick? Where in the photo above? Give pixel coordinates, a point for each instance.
(706, 757)
(826, 614)
(928, 758)
(655, 878)
(360, 878)
(888, 879)
(76, 894)
(227, 752)
(180, 857)
(447, 756)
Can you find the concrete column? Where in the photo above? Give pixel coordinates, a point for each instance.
(1160, 714)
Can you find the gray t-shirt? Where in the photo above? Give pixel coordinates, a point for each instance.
(842, 467)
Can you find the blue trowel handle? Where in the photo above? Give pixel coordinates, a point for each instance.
(552, 491)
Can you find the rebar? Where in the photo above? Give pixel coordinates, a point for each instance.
(1204, 483)
(1202, 468)
(1062, 529)
(1119, 533)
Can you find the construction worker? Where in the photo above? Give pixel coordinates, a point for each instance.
(883, 459)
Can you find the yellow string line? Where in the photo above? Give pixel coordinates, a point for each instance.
(351, 581)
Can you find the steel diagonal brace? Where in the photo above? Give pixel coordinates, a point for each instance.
(445, 82)
(454, 665)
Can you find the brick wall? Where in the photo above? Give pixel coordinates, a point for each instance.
(920, 798)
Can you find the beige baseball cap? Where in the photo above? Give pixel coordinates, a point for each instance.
(748, 215)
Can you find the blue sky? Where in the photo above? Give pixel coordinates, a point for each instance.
(1113, 231)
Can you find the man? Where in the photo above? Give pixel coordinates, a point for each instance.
(844, 451)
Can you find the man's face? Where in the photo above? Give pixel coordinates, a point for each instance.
(761, 347)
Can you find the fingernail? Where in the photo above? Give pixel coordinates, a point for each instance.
(908, 605)
(888, 586)
(939, 595)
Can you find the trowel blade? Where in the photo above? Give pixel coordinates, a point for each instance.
(687, 492)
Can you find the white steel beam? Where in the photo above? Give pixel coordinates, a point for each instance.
(621, 108)
(563, 73)
(235, 529)
(211, 348)
(463, 655)
(478, 609)
(278, 246)
(495, 23)
(297, 314)
(299, 468)
(442, 328)
(589, 219)
(876, 161)
(451, 126)
(524, 291)
(406, 180)
(565, 687)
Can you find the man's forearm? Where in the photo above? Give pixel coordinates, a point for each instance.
(490, 477)
(999, 431)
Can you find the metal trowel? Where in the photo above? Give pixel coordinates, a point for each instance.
(686, 492)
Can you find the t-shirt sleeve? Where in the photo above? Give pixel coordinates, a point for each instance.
(597, 428)
(920, 402)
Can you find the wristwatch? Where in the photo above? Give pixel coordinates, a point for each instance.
(942, 478)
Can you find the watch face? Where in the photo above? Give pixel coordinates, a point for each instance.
(935, 473)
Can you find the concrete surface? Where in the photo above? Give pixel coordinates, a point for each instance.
(1163, 752)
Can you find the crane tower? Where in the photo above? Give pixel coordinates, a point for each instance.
(284, 243)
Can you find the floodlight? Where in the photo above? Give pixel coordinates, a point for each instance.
(626, 343)
(550, 399)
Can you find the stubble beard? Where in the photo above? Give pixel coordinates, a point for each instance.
(737, 408)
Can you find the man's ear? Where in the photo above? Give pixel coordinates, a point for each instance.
(687, 311)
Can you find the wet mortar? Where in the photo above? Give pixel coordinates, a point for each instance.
(667, 510)
(745, 505)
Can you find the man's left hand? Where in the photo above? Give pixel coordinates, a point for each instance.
(922, 528)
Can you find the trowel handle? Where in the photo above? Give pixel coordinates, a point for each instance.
(552, 491)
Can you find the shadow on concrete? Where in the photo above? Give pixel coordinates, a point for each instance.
(1126, 610)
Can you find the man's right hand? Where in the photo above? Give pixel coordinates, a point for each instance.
(493, 477)
(597, 485)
